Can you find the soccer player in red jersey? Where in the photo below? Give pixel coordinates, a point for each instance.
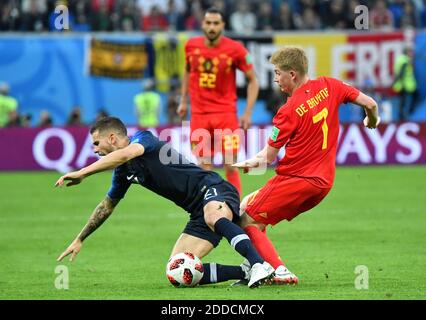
(210, 80)
(308, 126)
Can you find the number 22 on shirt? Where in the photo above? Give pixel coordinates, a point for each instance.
(207, 80)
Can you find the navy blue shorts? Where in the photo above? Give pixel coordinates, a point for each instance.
(223, 192)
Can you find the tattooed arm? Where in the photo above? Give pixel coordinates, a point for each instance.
(99, 215)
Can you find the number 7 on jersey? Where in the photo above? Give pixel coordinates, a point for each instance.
(317, 118)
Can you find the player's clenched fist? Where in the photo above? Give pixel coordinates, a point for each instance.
(371, 123)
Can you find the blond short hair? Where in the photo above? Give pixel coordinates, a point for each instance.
(290, 58)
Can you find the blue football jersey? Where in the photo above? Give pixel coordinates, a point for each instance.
(164, 171)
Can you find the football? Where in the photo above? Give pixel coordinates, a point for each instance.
(184, 270)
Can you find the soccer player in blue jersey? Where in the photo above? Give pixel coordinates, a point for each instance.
(212, 202)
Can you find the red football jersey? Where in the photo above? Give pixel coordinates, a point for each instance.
(212, 80)
(308, 126)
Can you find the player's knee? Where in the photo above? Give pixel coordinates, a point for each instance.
(213, 211)
(211, 219)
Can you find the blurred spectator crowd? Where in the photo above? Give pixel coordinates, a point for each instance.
(241, 16)
(11, 117)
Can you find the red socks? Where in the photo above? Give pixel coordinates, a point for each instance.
(264, 246)
(233, 176)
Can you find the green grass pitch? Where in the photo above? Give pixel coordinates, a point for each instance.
(373, 217)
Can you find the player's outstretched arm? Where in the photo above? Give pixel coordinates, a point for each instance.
(73, 178)
(110, 161)
(265, 157)
(114, 159)
(371, 109)
(99, 215)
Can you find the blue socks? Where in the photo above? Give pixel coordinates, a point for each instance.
(214, 273)
(238, 239)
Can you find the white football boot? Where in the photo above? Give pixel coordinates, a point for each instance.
(260, 273)
(284, 276)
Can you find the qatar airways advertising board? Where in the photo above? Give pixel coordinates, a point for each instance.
(68, 148)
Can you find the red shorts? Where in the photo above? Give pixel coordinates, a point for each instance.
(284, 198)
(214, 133)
